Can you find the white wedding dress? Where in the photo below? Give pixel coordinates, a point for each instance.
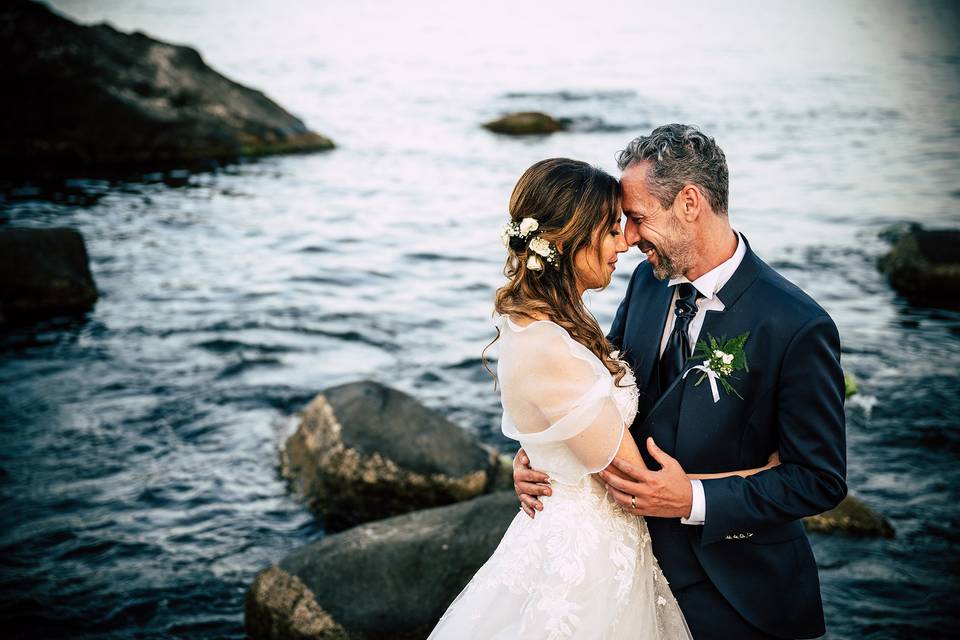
(582, 568)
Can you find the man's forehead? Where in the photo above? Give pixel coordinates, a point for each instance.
(634, 177)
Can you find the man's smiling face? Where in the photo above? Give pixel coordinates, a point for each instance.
(655, 230)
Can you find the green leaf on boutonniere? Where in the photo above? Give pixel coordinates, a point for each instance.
(724, 358)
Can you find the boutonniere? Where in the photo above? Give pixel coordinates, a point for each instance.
(721, 361)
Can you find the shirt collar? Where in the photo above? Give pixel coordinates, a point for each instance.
(712, 281)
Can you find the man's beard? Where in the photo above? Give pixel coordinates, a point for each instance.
(674, 257)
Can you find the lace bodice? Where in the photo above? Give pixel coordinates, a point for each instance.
(583, 568)
(559, 400)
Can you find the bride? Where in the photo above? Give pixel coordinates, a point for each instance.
(582, 568)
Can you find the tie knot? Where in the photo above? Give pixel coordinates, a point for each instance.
(687, 296)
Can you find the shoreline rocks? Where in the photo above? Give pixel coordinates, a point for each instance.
(388, 579)
(364, 451)
(92, 98)
(43, 273)
(525, 123)
(851, 517)
(924, 265)
(361, 451)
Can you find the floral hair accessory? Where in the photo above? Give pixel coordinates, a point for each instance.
(519, 236)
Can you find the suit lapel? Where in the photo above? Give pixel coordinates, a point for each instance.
(647, 320)
(697, 408)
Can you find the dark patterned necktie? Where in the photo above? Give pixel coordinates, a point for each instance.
(678, 346)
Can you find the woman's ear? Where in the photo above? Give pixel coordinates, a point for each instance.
(559, 244)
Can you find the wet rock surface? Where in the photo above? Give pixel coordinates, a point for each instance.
(852, 517)
(364, 451)
(388, 579)
(525, 123)
(43, 273)
(924, 265)
(87, 98)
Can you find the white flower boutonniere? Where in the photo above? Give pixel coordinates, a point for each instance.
(722, 360)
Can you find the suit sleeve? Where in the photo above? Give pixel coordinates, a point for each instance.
(812, 443)
(615, 337)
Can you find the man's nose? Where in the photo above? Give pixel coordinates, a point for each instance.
(631, 233)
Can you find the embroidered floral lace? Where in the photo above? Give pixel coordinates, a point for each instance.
(582, 568)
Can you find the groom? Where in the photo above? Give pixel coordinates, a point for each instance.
(733, 549)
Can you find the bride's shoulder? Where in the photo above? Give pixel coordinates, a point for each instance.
(536, 329)
(543, 337)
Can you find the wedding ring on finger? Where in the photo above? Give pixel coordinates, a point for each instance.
(633, 501)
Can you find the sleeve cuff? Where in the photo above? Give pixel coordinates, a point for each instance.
(699, 510)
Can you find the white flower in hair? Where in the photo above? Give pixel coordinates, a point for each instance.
(505, 236)
(541, 246)
(534, 263)
(527, 225)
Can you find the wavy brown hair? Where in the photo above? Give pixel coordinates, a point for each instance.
(571, 201)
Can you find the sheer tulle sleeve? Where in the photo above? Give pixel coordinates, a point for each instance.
(558, 401)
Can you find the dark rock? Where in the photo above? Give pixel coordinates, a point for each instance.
(280, 607)
(43, 273)
(851, 517)
(924, 265)
(89, 97)
(393, 578)
(525, 123)
(364, 452)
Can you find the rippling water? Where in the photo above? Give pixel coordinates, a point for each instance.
(138, 445)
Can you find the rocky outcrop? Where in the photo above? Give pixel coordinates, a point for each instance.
(924, 265)
(364, 451)
(851, 517)
(278, 606)
(43, 273)
(525, 123)
(388, 579)
(87, 97)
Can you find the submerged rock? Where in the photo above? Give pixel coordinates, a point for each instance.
(364, 451)
(851, 516)
(43, 273)
(84, 97)
(388, 579)
(525, 123)
(924, 266)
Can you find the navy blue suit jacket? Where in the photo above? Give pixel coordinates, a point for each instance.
(752, 547)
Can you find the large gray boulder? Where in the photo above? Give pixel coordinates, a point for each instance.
(84, 97)
(43, 273)
(388, 579)
(924, 265)
(364, 451)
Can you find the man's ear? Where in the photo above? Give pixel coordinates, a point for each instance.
(690, 202)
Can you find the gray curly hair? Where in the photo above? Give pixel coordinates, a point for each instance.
(680, 154)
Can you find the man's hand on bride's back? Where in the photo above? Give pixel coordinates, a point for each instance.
(529, 484)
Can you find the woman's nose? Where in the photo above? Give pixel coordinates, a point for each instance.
(622, 245)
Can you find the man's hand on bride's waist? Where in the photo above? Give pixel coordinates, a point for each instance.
(528, 484)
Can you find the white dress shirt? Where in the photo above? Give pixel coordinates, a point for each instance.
(708, 284)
